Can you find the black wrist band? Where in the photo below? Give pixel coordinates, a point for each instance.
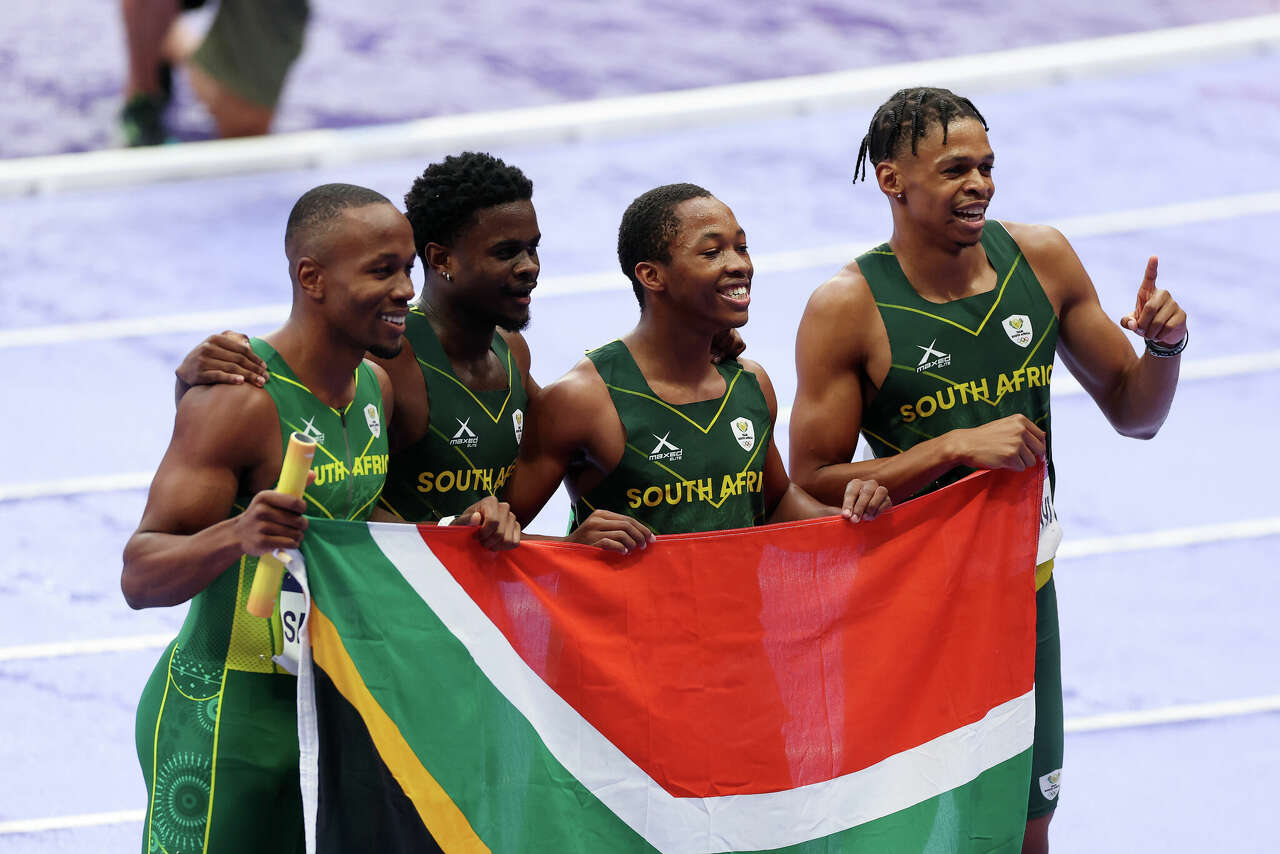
(1162, 351)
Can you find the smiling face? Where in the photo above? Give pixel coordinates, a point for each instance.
(494, 264)
(709, 274)
(364, 268)
(945, 187)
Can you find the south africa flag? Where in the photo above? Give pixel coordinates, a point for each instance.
(807, 687)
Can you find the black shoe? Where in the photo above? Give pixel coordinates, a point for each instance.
(142, 121)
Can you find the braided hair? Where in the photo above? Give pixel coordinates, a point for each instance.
(907, 116)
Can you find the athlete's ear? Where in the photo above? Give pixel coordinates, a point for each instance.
(650, 277)
(437, 258)
(310, 275)
(888, 178)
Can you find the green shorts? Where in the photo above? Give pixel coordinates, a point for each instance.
(251, 45)
(1046, 753)
(219, 754)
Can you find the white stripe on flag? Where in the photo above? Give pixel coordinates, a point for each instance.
(704, 825)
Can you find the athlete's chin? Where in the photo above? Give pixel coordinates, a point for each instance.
(515, 323)
(387, 351)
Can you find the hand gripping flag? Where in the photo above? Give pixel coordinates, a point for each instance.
(807, 687)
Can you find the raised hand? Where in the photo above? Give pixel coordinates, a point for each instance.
(1012, 442)
(498, 528)
(223, 358)
(864, 500)
(612, 532)
(1156, 316)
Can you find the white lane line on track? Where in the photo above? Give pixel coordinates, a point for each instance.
(62, 649)
(832, 256)
(69, 822)
(1220, 367)
(1091, 723)
(1246, 529)
(1175, 714)
(1171, 538)
(1019, 68)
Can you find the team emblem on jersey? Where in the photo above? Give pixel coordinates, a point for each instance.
(1018, 328)
(464, 436)
(664, 450)
(932, 358)
(371, 416)
(744, 431)
(1051, 784)
(517, 421)
(309, 429)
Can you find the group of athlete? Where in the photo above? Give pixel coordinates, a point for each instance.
(937, 346)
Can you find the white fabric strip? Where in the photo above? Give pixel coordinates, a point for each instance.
(705, 825)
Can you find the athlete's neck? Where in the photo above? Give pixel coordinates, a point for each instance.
(675, 360)
(941, 272)
(466, 338)
(323, 362)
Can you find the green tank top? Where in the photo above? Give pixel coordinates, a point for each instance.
(470, 447)
(694, 467)
(965, 362)
(350, 465)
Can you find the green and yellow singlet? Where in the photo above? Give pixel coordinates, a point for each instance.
(470, 447)
(694, 467)
(216, 725)
(965, 362)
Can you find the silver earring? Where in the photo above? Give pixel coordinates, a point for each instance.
(446, 275)
(901, 196)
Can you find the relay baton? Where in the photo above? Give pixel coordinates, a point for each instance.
(270, 571)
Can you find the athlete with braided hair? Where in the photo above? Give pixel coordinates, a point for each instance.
(955, 324)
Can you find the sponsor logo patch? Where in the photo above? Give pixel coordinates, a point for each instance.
(1018, 328)
(1050, 784)
(309, 429)
(664, 450)
(744, 431)
(932, 358)
(464, 436)
(371, 417)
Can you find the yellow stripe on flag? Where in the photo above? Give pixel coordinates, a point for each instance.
(440, 815)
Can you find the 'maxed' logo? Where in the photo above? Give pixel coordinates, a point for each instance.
(664, 450)
(932, 358)
(309, 429)
(464, 436)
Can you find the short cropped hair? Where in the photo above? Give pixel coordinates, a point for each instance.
(649, 225)
(317, 208)
(445, 198)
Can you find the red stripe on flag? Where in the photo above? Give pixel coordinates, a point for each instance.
(760, 660)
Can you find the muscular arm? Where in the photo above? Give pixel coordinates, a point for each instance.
(842, 354)
(786, 501)
(573, 420)
(223, 435)
(1134, 393)
(563, 422)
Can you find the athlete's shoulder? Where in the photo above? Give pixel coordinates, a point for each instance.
(233, 423)
(1037, 240)
(383, 376)
(519, 348)
(845, 291)
(581, 386)
(762, 377)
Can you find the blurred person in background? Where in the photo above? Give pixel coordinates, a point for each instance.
(237, 70)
